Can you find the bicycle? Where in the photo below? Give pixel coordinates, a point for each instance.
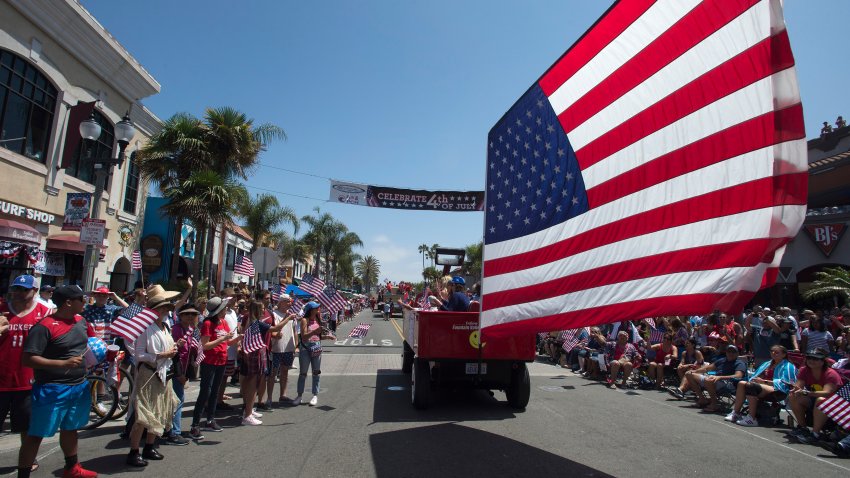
(109, 401)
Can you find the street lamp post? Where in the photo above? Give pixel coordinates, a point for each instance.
(90, 131)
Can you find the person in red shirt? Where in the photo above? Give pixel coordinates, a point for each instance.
(20, 314)
(61, 398)
(215, 337)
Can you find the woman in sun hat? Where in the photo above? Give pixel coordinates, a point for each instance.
(154, 400)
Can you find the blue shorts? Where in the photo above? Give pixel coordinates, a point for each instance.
(58, 406)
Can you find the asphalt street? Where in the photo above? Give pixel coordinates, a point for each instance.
(365, 426)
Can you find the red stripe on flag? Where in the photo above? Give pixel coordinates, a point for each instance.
(696, 26)
(676, 305)
(749, 196)
(723, 80)
(718, 256)
(771, 128)
(606, 29)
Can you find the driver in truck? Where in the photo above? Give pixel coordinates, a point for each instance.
(458, 300)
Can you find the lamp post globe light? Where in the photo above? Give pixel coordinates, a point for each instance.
(90, 132)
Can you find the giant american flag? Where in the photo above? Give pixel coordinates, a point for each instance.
(837, 407)
(657, 168)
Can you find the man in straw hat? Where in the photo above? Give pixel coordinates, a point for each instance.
(154, 401)
(61, 398)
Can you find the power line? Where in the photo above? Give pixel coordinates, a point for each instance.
(286, 194)
(294, 171)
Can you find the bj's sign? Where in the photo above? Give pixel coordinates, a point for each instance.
(826, 236)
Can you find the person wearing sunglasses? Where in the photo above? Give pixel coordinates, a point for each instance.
(815, 383)
(61, 397)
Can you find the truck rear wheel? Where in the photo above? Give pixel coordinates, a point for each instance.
(420, 384)
(519, 391)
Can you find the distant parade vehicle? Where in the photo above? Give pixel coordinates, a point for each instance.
(445, 349)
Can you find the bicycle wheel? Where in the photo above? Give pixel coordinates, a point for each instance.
(104, 400)
(124, 389)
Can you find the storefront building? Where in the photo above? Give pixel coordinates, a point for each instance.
(237, 243)
(56, 63)
(822, 241)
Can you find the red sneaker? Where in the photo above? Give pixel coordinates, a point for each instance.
(77, 471)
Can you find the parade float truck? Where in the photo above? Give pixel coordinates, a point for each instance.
(444, 349)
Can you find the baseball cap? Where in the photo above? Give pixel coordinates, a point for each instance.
(816, 353)
(26, 281)
(102, 290)
(310, 306)
(67, 292)
(731, 348)
(47, 288)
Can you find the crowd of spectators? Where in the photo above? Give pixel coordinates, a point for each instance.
(43, 386)
(749, 366)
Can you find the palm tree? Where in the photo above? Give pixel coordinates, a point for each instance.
(831, 282)
(263, 214)
(430, 274)
(290, 247)
(226, 142)
(473, 262)
(169, 158)
(233, 142)
(369, 268)
(343, 251)
(319, 229)
(206, 198)
(432, 254)
(423, 248)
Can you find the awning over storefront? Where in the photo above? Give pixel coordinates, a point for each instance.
(14, 231)
(66, 243)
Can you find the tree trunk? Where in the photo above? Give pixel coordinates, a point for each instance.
(211, 273)
(175, 248)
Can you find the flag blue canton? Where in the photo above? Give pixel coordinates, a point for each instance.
(533, 178)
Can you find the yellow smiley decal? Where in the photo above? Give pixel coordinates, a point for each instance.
(474, 340)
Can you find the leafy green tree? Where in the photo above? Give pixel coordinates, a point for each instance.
(319, 229)
(831, 282)
(430, 274)
(473, 261)
(369, 269)
(423, 249)
(263, 214)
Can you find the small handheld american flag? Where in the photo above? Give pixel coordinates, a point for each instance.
(131, 327)
(655, 335)
(192, 338)
(253, 340)
(136, 263)
(276, 292)
(360, 331)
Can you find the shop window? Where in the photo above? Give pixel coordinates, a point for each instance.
(131, 192)
(230, 257)
(27, 103)
(82, 163)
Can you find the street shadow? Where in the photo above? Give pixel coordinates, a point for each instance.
(447, 404)
(455, 450)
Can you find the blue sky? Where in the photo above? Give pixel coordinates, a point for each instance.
(395, 93)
